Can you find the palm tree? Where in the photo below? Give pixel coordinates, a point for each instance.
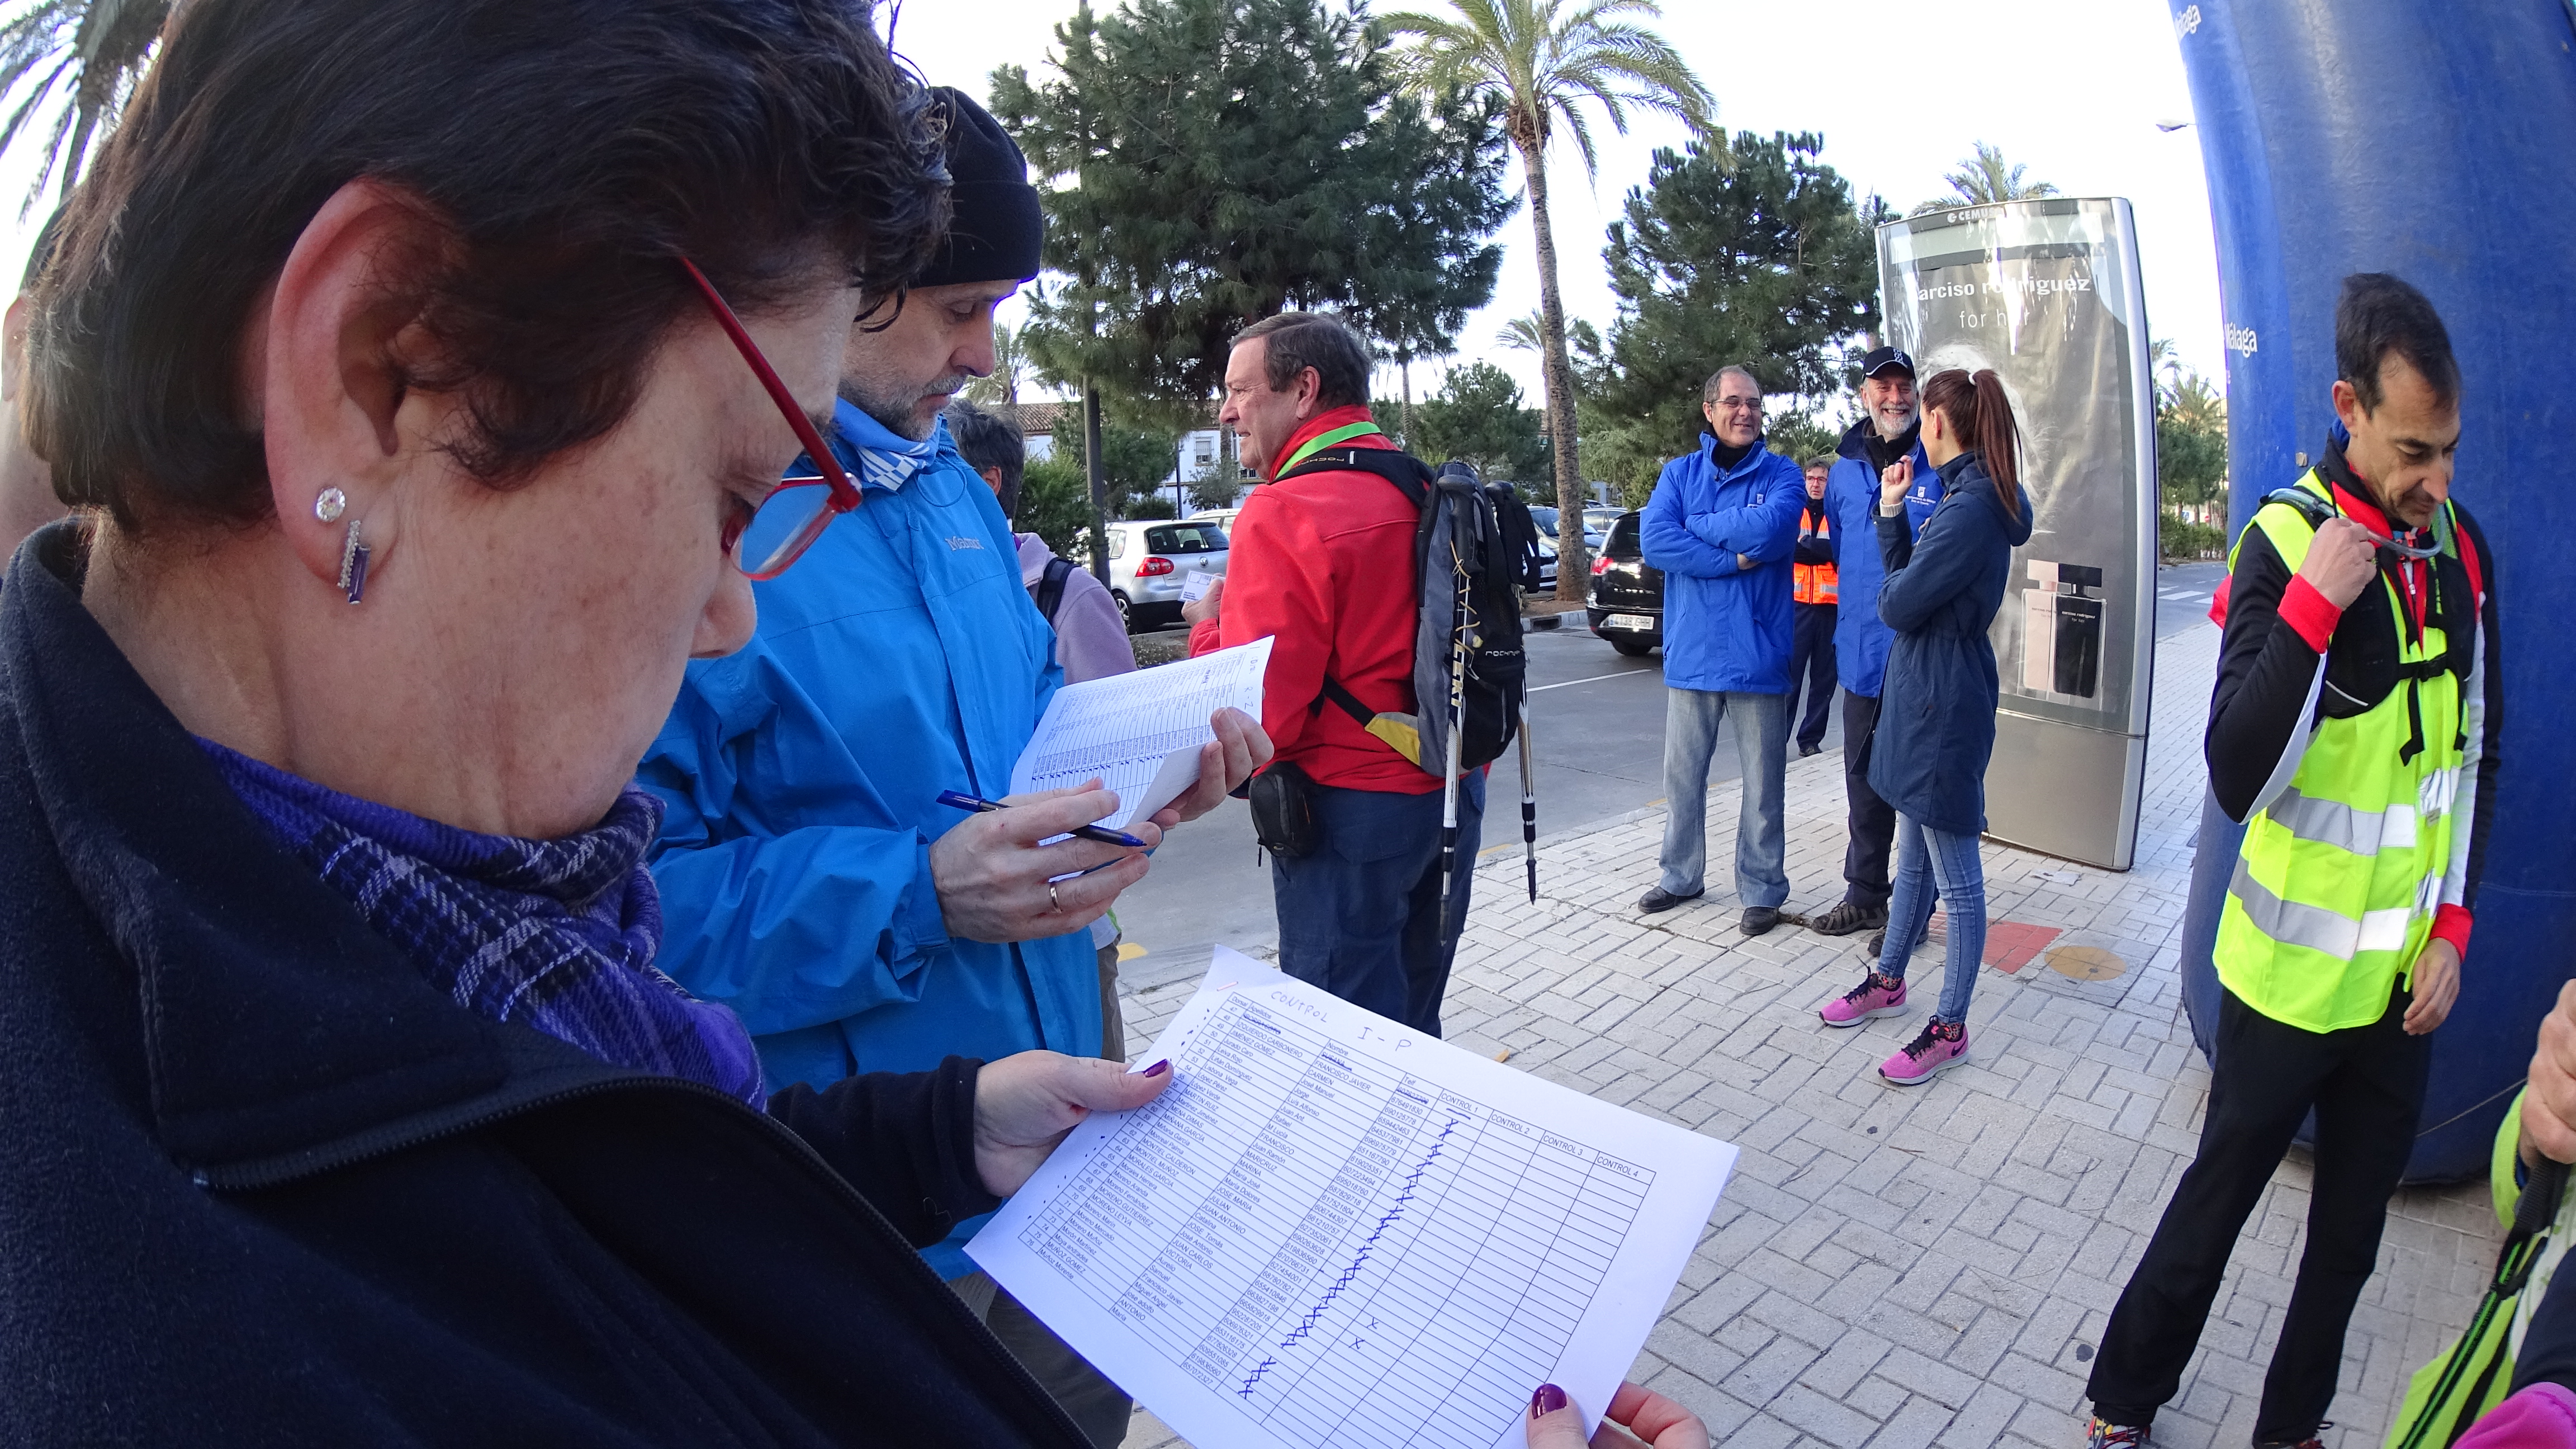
(80, 58)
(1000, 388)
(1540, 59)
(1524, 334)
(1984, 179)
(2165, 364)
(2194, 399)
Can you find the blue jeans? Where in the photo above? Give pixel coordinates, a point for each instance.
(1691, 721)
(1925, 858)
(1361, 917)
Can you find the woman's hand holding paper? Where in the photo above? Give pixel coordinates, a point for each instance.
(1657, 1422)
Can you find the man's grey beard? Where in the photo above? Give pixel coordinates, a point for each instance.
(895, 414)
(1913, 415)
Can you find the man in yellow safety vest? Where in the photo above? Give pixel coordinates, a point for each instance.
(2354, 731)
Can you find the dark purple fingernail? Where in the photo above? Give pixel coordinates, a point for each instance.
(1547, 1400)
(1158, 1068)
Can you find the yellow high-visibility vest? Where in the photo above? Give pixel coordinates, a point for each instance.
(2338, 878)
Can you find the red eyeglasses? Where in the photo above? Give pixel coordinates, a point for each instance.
(772, 536)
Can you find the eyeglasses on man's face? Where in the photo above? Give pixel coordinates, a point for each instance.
(1739, 405)
(764, 540)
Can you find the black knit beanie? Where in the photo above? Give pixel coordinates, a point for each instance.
(994, 225)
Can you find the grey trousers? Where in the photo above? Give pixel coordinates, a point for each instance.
(1692, 718)
(1099, 1408)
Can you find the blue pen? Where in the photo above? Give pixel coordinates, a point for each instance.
(1087, 832)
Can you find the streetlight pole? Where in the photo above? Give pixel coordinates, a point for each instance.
(1098, 480)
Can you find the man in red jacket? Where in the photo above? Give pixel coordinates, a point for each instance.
(1323, 564)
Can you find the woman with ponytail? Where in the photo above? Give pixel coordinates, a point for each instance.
(1936, 723)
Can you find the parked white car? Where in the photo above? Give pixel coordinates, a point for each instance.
(1151, 558)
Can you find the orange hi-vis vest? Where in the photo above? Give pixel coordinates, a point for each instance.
(1816, 583)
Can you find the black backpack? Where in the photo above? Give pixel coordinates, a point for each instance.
(1473, 547)
(1048, 592)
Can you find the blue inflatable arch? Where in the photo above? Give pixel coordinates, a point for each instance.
(2435, 139)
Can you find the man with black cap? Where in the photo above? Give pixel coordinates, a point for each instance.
(810, 879)
(1886, 432)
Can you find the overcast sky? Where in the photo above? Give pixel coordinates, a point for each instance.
(1901, 93)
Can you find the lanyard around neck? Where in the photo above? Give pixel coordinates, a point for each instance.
(1321, 441)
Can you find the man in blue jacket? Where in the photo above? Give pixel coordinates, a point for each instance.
(810, 880)
(1721, 525)
(1888, 428)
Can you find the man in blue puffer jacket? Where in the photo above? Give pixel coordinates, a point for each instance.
(1887, 431)
(810, 880)
(1721, 525)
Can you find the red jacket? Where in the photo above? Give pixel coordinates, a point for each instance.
(1324, 564)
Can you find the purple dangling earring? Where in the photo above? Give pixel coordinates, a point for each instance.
(328, 505)
(353, 565)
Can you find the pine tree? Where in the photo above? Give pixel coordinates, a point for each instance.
(1206, 163)
(1479, 416)
(1749, 252)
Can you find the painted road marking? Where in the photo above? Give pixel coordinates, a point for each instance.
(1596, 679)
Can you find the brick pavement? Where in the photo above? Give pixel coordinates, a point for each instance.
(1905, 1267)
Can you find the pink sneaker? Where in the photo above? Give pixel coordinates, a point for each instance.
(1937, 1048)
(1874, 996)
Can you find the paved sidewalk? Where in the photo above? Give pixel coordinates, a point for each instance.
(1916, 1266)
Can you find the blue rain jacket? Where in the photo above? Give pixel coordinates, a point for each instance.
(1936, 720)
(1726, 627)
(899, 658)
(1861, 638)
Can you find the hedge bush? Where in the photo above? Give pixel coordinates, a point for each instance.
(2185, 540)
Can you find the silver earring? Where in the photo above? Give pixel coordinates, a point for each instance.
(353, 564)
(328, 504)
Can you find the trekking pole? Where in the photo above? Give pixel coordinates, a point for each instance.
(1529, 806)
(1457, 724)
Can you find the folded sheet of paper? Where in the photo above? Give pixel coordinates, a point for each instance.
(1140, 733)
(1334, 1231)
(1196, 586)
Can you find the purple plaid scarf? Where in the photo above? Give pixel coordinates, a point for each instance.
(558, 934)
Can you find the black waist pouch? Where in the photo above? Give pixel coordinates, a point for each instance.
(1283, 812)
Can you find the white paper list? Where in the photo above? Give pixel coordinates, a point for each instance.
(1140, 733)
(1333, 1231)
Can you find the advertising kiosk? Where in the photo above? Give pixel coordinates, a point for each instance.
(2047, 294)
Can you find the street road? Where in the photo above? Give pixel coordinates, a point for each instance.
(1597, 730)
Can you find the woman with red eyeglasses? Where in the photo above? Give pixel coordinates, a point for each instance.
(424, 371)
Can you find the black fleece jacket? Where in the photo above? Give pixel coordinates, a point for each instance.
(261, 1185)
(1815, 544)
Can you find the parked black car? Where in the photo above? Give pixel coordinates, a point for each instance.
(1627, 606)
